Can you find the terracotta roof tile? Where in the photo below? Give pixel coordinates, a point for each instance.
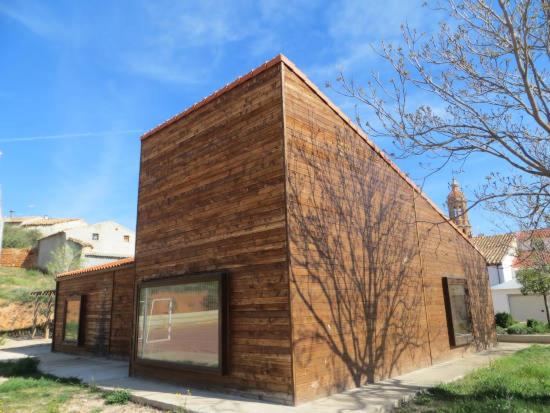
(494, 247)
(101, 267)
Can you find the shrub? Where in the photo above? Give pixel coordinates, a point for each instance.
(501, 330)
(519, 328)
(117, 397)
(22, 367)
(504, 319)
(538, 326)
(18, 237)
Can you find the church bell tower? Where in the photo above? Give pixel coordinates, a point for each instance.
(458, 208)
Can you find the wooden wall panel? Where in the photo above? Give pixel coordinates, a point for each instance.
(361, 267)
(108, 311)
(122, 312)
(96, 320)
(211, 197)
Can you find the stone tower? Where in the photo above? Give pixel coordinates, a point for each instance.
(458, 208)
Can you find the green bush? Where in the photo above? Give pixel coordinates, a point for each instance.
(117, 397)
(519, 328)
(18, 237)
(504, 319)
(538, 326)
(501, 330)
(22, 367)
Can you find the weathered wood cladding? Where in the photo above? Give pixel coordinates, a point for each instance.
(107, 313)
(211, 197)
(367, 257)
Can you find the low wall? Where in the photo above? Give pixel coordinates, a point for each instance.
(18, 257)
(524, 338)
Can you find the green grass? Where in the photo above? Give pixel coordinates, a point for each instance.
(518, 383)
(16, 284)
(29, 390)
(117, 397)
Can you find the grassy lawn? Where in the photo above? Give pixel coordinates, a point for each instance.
(518, 383)
(25, 389)
(16, 284)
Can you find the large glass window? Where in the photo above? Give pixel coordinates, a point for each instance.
(72, 320)
(458, 311)
(180, 321)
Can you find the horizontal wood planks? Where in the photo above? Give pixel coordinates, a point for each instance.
(107, 311)
(366, 270)
(211, 197)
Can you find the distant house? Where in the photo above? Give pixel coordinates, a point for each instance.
(45, 224)
(97, 243)
(506, 254)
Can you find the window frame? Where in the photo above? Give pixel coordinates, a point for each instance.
(223, 321)
(447, 281)
(95, 236)
(81, 301)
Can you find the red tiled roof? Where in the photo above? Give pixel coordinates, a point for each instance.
(494, 247)
(47, 221)
(536, 233)
(101, 267)
(283, 59)
(526, 259)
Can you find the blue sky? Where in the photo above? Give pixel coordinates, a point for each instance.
(108, 71)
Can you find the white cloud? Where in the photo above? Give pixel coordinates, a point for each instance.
(34, 17)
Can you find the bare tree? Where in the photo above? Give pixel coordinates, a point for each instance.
(488, 66)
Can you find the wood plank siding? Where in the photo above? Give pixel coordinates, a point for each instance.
(107, 313)
(211, 198)
(367, 257)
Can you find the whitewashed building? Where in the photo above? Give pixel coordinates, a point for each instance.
(97, 243)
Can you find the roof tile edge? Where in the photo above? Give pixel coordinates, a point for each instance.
(100, 267)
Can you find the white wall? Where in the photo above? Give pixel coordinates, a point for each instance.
(500, 301)
(111, 238)
(46, 246)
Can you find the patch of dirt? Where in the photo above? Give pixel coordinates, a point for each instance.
(17, 316)
(94, 403)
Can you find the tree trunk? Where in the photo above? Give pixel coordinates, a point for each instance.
(546, 305)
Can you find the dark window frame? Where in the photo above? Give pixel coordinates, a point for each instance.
(79, 339)
(449, 310)
(95, 236)
(223, 321)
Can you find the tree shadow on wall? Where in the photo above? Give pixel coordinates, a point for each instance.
(356, 270)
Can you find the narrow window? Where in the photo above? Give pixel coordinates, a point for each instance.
(126, 238)
(95, 236)
(181, 321)
(71, 328)
(457, 306)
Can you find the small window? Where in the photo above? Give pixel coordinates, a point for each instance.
(126, 238)
(181, 322)
(71, 328)
(457, 306)
(95, 236)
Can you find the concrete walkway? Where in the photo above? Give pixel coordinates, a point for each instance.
(379, 397)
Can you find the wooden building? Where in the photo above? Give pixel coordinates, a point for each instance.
(94, 309)
(280, 254)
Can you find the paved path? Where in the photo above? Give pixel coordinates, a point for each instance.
(379, 397)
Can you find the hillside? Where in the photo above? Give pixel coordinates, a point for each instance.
(16, 306)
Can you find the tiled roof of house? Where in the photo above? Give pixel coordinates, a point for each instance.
(47, 221)
(78, 241)
(101, 267)
(494, 247)
(283, 59)
(18, 220)
(537, 233)
(526, 259)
